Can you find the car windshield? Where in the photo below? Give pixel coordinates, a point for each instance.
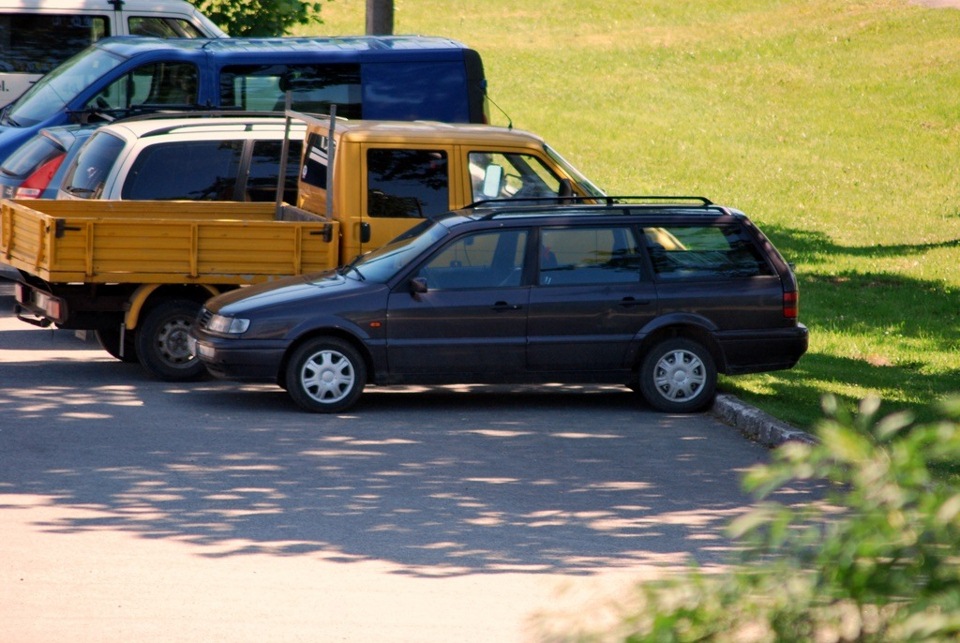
(54, 91)
(588, 186)
(382, 264)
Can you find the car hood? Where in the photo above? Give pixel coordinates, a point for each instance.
(283, 292)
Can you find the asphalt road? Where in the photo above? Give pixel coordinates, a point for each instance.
(132, 509)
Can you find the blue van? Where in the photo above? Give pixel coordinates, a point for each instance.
(370, 77)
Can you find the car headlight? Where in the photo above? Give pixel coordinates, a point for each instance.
(228, 325)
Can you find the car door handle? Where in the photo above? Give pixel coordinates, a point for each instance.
(502, 305)
(628, 302)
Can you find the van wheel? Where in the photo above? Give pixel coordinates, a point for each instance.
(326, 375)
(109, 340)
(162, 341)
(678, 376)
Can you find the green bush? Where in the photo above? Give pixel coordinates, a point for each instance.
(259, 17)
(875, 560)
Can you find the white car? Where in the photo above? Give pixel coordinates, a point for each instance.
(230, 156)
(38, 35)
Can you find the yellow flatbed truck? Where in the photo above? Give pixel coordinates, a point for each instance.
(137, 272)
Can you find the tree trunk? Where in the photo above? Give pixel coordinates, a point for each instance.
(379, 17)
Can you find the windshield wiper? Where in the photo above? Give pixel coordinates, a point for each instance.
(352, 266)
(72, 189)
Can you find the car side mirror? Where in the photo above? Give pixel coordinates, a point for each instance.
(418, 286)
(492, 179)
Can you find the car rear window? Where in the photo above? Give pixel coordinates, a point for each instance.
(194, 170)
(30, 156)
(704, 252)
(90, 169)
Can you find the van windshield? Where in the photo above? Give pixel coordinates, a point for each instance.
(54, 91)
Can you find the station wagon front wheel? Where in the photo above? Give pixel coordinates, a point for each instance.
(326, 375)
(678, 376)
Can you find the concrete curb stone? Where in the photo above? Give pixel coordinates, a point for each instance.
(757, 425)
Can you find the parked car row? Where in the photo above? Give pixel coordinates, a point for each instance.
(549, 281)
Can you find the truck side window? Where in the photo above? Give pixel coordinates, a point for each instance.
(524, 175)
(407, 183)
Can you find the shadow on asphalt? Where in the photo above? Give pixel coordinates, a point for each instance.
(435, 483)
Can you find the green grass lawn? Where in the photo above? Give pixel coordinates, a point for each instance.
(834, 124)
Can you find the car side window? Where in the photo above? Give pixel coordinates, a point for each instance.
(264, 166)
(195, 170)
(480, 260)
(407, 183)
(704, 252)
(35, 43)
(162, 27)
(589, 255)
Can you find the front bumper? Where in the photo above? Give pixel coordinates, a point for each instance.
(237, 359)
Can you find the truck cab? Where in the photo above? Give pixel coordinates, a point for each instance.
(390, 175)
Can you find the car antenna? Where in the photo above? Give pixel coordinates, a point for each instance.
(493, 102)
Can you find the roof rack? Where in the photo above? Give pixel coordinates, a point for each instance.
(590, 200)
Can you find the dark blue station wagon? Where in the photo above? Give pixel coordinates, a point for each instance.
(658, 297)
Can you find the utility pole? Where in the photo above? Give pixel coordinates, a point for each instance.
(379, 17)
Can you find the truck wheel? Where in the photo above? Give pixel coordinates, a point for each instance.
(678, 376)
(326, 375)
(109, 339)
(162, 341)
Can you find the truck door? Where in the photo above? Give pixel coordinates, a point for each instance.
(402, 186)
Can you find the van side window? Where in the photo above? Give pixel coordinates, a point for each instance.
(497, 175)
(198, 171)
(163, 83)
(162, 27)
(595, 255)
(36, 43)
(313, 88)
(407, 183)
(704, 252)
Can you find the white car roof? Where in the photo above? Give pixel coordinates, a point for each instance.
(205, 127)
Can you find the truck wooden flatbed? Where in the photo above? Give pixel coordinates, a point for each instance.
(163, 242)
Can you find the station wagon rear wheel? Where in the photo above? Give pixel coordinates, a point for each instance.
(326, 375)
(678, 376)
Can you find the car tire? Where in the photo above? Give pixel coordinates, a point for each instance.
(109, 340)
(326, 375)
(162, 341)
(678, 376)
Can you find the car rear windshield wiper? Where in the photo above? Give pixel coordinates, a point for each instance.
(72, 189)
